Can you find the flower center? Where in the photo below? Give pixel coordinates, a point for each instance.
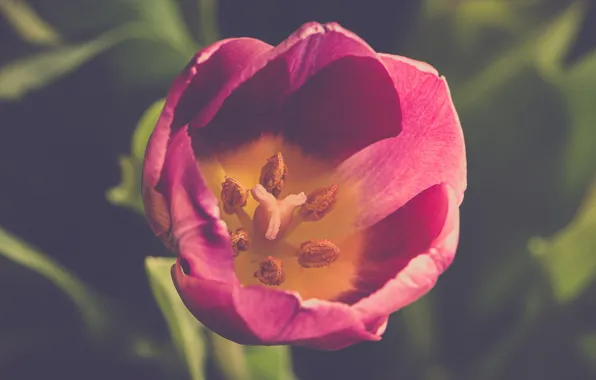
(287, 218)
(273, 216)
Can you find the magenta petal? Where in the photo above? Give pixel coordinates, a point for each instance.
(320, 82)
(206, 71)
(422, 271)
(429, 150)
(212, 303)
(280, 318)
(393, 242)
(199, 236)
(259, 315)
(345, 107)
(303, 54)
(342, 98)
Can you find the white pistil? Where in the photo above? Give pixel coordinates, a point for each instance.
(276, 210)
(274, 224)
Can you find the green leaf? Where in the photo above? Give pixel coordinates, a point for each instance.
(237, 362)
(185, 330)
(420, 328)
(270, 363)
(128, 192)
(578, 89)
(509, 346)
(93, 314)
(208, 21)
(144, 128)
(587, 345)
(230, 358)
(568, 257)
(156, 60)
(556, 40)
(27, 24)
(472, 18)
(498, 288)
(166, 22)
(34, 72)
(532, 50)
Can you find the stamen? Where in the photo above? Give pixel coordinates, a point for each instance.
(239, 241)
(278, 212)
(271, 272)
(320, 202)
(273, 174)
(317, 253)
(233, 195)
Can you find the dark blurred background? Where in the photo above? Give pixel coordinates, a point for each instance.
(519, 301)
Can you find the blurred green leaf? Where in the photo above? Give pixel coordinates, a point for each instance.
(31, 73)
(186, 331)
(237, 362)
(533, 49)
(229, 358)
(421, 330)
(27, 23)
(168, 48)
(587, 345)
(128, 192)
(270, 363)
(34, 72)
(508, 347)
(568, 257)
(578, 88)
(556, 40)
(501, 286)
(157, 46)
(472, 17)
(422, 338)
(208, 21)
(144, 128)
(165, 21)
(94, 316)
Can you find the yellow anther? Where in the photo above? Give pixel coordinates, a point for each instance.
(271, 272)
(273, 174)
(317, 253)
(233, 195)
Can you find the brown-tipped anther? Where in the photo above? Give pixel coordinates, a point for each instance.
(239, 241)
(319, 203)
(273, 174)
(317, 253)
(233, 195)
(271, 271)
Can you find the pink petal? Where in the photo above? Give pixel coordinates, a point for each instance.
(206, 72)
(421, 272)
(393, 242)
(199, 236)
(259, 315)
(429, 150)
(322, 82)
(345, 107)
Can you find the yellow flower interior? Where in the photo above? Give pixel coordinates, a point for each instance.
(305, 174)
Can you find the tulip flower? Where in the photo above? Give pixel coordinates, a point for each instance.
(309, 190)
